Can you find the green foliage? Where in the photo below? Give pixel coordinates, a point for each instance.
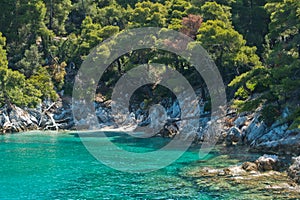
(248, 83)
(147, 13)
(42, 81)
(269, 114)
(3, 59)
(90, 33)
(228, 48)
(278, 84)
(15, 88)
(284, 37)
(295, 124)
(31, 61)
(247, 105)
(23, 22)
(45, 36)
(215, 11)
(112, 15)
(57, 73)
(251, 20)
(294, 117)
(57, 14)
(177, 10)
(18, 91)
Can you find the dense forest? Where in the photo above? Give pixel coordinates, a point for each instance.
(254, 43)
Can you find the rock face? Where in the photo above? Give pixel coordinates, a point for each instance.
(233, 136)
(15, 119)
(248, 128)
(240, 121)
(236, 129)
(255, 130)
(294, 170)
(287, 143)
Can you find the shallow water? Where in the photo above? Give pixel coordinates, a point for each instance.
(39, 165)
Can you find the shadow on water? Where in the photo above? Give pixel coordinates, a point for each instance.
(130, 143)
(124, 140)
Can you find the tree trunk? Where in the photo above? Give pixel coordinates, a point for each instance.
(51, 15)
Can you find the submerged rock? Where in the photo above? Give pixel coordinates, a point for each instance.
(294, 170)
(245, 181)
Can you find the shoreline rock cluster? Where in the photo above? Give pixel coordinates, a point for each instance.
(248, 129)
(15, 119)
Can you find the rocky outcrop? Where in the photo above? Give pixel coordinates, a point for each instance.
(286, 143)
(15, 119)
(234, 136)
(294, 170)
(263, 164)
(254, 130)
(249, 129)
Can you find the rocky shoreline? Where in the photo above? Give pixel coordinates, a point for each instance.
(243, 129)
(251, 180)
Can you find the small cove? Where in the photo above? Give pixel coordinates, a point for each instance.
(41, 165)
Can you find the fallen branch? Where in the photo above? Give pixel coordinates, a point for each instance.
(44, 112)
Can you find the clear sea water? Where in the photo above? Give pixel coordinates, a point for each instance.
(39, 165)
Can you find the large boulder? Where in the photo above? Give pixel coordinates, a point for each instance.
(294, 170)
(240, 121)
(15, 119)
(267, 163)
(249, 166)
(233, 136)
(255, 130)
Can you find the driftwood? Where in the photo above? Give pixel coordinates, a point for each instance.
(45, 112)
(52, 120)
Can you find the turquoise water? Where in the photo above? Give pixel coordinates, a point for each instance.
(58, 166)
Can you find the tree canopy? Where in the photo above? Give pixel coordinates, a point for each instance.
(254, 43)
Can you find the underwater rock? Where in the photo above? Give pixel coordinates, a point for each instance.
(294, 170)
(244, 180)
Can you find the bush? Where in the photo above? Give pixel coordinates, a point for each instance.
(269, 114)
